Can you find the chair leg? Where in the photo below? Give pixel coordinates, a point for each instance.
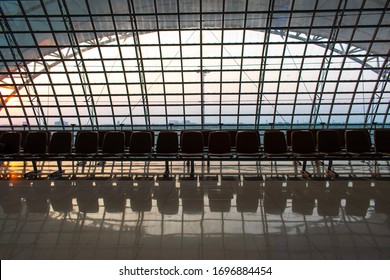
(303, 171)
(166, 173)
(329, 171)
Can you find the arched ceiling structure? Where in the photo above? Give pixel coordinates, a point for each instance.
(194, 63)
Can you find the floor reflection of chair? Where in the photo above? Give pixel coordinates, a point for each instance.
(358, 198)
(10, 201)
(220, 198)
(329, 198)
(114, 200)
(382, 197)
(87, 200)
(167, 197)
(275, 198)
(303, 201)
(37, 200)
(191, 197)
(248, 196)
(141, 196)
(61, 198)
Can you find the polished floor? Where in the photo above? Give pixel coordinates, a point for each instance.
(212, 215)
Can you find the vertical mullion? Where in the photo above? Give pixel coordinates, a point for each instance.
(365, 61)
(342, 66)
(77, 51)
(121, 61)
(386, 76)
(62, 61)
(303, 60)
(5, 26)
(104, 67)
(276, 112)
(202, 116)
(44, 65)
(181, 62)
(140, 65)
(161, 64)
(242, 63)
(221, 61)
(325, 65)
(264, 62)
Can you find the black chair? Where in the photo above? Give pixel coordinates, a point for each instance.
(113, 143)
(329, 144)
(304, 147)
(11, 143)
(167, 146)
(87, 143)
(191, 147)
(275, 144)
(248, 143)
(382, 141)
(191, 144)
(60, 146)
(140, 143)
(358, 142)
(35, 146)
(219, 144)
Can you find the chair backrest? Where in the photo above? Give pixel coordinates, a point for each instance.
(24, 134)
(328, 141)
(167, 142)
(101, 134)
(87, 142)
(302, 142)
(247, 142)
(61, 142)
(191, 142)
(289, 136)
(219, 142)
(128, 134)
(233, 138)
(114, 142)
(357, 141)
(206, 134)
(36, 142)
(382, 140)
(12, 141)
(341, 133)
(141, 142)
(274, 142)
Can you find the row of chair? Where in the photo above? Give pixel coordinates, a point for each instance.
(120, 145)
(192, 200)
(193, 143)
